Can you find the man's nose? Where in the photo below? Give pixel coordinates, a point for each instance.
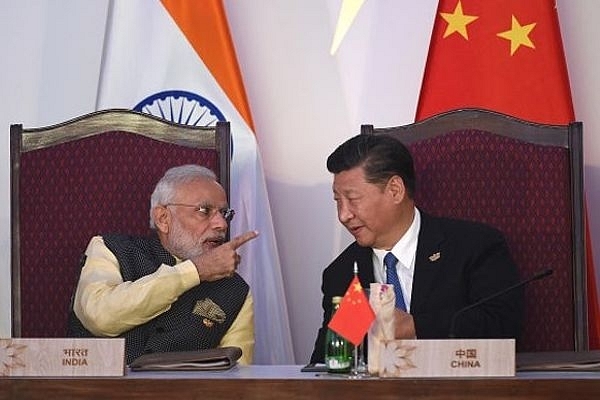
(344, 213)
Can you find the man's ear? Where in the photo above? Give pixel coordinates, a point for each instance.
(162, 218)
(396, 188)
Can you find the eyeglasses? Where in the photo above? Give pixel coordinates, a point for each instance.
(208, 211)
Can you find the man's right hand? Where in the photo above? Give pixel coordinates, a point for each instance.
(222, 261)
(404, 325)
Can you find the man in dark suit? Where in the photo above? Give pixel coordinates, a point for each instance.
(440, 264)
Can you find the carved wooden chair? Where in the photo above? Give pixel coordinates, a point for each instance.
(89, 175)
(526, 180)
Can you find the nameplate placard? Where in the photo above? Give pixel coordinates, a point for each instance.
(447, 358)
(62, 357)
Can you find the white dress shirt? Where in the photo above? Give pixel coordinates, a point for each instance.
(405, 251)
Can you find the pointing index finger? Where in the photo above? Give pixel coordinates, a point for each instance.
(243, 238)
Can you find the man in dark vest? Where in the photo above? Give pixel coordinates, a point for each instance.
(176, 290)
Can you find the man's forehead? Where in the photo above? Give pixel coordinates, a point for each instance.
(354, 176)
(207, 190)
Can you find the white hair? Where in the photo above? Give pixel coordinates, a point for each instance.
(166, 188)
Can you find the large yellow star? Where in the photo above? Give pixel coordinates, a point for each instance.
(518, 35)
(457, 21)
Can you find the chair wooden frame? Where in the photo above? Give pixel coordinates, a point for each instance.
(24, 140)
(567, 136)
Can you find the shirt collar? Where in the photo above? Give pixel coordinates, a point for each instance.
(406, 248)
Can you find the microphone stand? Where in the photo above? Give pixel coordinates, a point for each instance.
(535, 277)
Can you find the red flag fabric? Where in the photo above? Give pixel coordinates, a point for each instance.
(506, 56)
(355, 315)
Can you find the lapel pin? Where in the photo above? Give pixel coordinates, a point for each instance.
(434, 257)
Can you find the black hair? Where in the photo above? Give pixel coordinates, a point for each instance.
(380, 156)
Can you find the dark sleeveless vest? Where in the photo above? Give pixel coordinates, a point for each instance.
(198, 319)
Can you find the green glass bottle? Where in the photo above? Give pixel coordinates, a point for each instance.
(338, 351)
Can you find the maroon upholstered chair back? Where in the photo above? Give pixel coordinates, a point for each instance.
(526, 180)
(84, 177)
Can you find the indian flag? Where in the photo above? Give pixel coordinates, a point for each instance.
(175, 59)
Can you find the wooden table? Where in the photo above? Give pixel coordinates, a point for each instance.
(287, 382)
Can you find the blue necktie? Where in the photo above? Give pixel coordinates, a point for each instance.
(392, 278)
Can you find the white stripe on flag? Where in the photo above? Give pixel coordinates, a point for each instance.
(146, 53)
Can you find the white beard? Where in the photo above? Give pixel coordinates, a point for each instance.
(183, 244)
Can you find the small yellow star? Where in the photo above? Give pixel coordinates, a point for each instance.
(457, 21)
(518, 35)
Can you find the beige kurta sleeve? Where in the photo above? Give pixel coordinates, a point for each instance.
(108, 306)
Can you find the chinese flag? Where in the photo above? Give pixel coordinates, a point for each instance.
(506, 56)
(355, 315)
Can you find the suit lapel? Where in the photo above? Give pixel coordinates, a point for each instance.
(429, 260)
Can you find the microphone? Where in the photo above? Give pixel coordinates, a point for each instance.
(539, 275)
